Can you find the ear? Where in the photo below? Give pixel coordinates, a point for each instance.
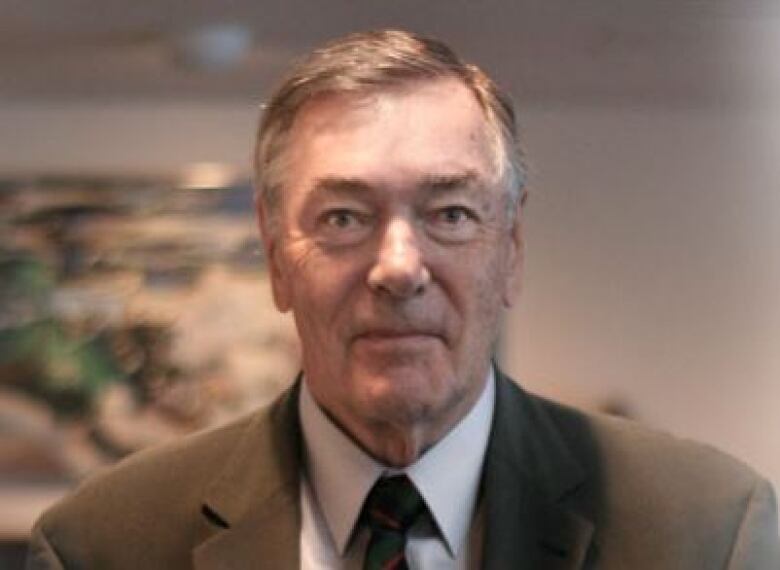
(513, 281)
(270, 235)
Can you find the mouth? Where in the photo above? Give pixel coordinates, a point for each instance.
(396, 338)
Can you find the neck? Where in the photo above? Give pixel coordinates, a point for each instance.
(400, 442)
(396, 446)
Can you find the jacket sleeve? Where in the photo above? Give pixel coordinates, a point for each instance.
(41, 555)
(757, 545)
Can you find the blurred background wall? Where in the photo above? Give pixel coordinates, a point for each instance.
(653, 135)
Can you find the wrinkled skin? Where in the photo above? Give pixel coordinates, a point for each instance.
(395, 251)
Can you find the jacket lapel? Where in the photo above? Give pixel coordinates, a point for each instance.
(252, 517)
(251, 511)
(529, 476)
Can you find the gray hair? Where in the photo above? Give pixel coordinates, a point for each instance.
(367, 62)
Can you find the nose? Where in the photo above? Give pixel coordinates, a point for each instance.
(399, 270)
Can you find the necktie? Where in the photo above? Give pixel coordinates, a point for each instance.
(392, 507)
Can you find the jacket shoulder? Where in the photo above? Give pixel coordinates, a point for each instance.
(611, 445)
(147, 507)
(185, 465)
(652, 492)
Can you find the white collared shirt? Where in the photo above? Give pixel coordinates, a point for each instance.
(339, 476)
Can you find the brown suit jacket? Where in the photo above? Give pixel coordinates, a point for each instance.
(561, 490)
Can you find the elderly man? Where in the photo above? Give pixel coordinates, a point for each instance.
(390, 195)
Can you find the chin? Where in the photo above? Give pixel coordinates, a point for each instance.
(405, 394)
(396, 409)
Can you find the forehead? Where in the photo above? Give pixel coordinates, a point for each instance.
(427, 128)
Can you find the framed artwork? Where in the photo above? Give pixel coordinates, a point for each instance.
(131, 312)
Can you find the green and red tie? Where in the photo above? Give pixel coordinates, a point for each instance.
(390, 510)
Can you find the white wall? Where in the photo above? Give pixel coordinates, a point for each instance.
(653, 271)
(653, 262)
(133, 138)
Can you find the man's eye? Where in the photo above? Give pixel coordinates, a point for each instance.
(341, 219)
(453, 224)
(343, 226)
(453, 215)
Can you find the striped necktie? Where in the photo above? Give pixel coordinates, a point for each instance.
(390, 510)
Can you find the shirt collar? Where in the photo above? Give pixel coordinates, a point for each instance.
(447, 475)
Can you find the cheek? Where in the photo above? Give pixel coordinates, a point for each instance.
(484, 295)
(323, 289)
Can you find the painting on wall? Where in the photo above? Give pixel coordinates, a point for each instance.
(132, 312)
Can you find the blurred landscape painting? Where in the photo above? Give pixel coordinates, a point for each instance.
(131, 312)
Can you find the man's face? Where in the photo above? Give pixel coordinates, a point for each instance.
(394, 251)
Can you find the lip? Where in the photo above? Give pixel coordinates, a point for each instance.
(395, 337)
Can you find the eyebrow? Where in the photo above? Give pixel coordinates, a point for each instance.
(438, 183)
(338, 185)
(467, 180)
